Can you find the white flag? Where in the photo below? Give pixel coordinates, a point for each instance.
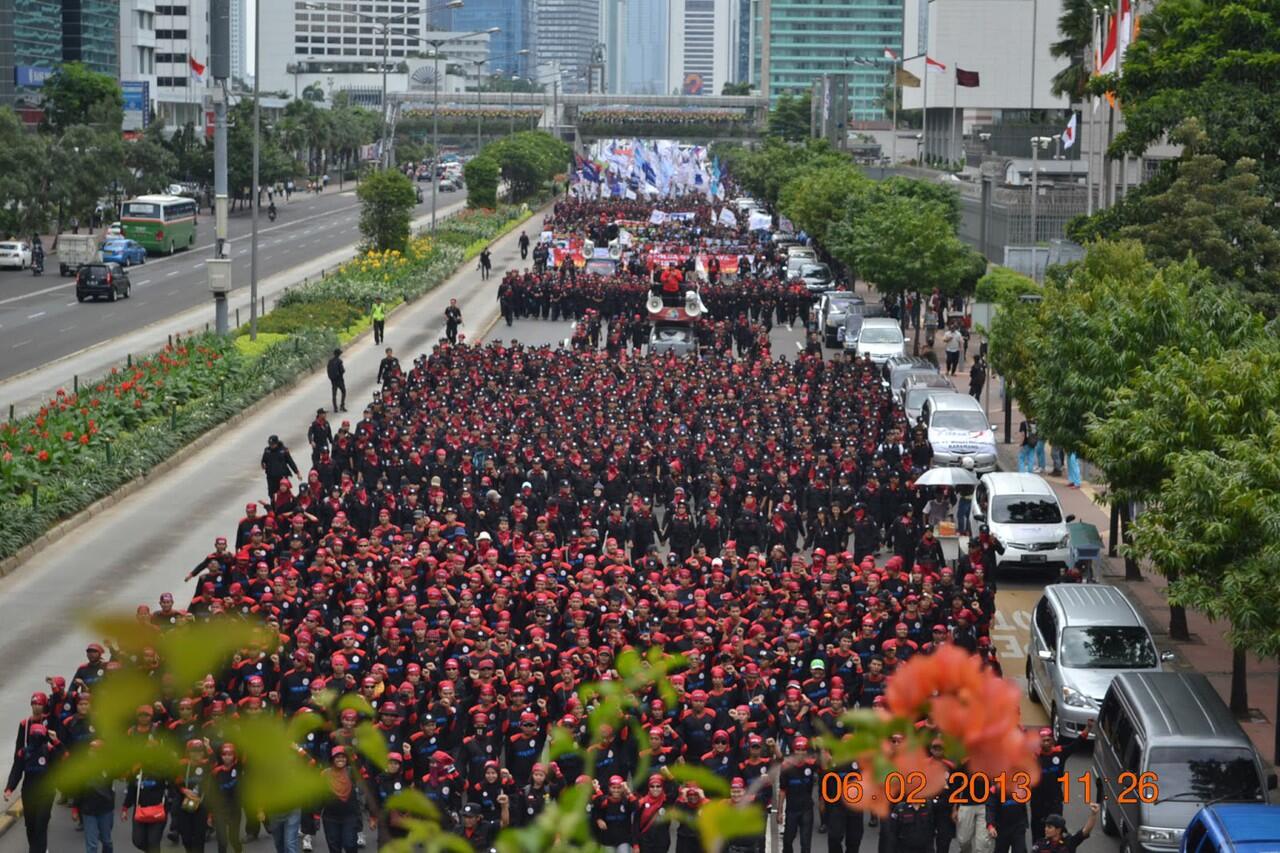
(760, 221)
(727, 218)
(657, 217)
(1069, 134)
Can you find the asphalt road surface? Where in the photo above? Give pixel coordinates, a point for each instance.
(132, 552)
(40, 319)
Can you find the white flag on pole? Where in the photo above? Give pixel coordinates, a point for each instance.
(727, 218)
(760, 221)
(657, 217)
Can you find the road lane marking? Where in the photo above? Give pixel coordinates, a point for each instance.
(173, 292)
(197, 266)
(67, 328)
(20, 344)
(37, 314)
(144, 281)
(70, 304)
(172, 274)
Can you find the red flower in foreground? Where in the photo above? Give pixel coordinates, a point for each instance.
(43, 456)
(971, 704)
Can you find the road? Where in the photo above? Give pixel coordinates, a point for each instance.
(41, 321)
(141, 547)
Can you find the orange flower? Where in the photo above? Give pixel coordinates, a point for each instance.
(915, 778)
(968, 703)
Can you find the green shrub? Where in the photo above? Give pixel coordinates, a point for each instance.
(333, 314)
(1001, 284)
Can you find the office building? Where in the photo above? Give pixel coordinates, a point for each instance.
(138, 58)
(30, 47)
(643, 48)
(700, 44)
(743, 43)
(568, 32)
(514, 17)
(89, 34)
(1006, 44)
(240, 40)
(182, 34)
(800, 40)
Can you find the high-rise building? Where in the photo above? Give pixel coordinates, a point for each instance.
(89, 34)
(644, 48)
(701, 35)
(30, 47)
(568, 32)
(138, 47)
(801, 40)
(182, 35)
(239, 40)
(743, 34)
(513, 17)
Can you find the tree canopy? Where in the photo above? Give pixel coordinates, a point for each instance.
(73, 95)
(386, 198)
(791, 119)
(528, 160)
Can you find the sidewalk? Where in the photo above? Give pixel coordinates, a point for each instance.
(1208, 651)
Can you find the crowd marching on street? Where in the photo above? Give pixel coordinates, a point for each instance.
(501, 521)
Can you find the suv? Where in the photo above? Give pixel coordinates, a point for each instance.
(958, 428)
(109, 280)
(1082, 636)
(1024, 517)
(877, 337)
(829, 313)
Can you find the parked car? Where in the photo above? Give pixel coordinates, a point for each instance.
(817, 277)
(1173, 731)
(878, 337)
(124, 252)
(1083, 636)
(107, 280)
(958, 428)
(828, 314)
(917, 389)
(677, 338)
(897, 368)
(15, 254)
(448, 185)
(1233, 828)
(1025, 518)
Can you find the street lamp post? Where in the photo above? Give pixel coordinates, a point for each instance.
(255, 189)
(1037, 143)
(479, 63)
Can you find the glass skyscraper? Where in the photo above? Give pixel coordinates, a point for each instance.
(513, 16)
(809, 38)
(89, 34)
(30, 46)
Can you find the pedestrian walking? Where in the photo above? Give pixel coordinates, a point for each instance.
(977, 376)
(337, 380)
(1073, 470)
(378, 311)
(1031, 452)
(342, 809)
(277, 463)
(452, 320)
(953, 341)
(486, 263)
(524, 245)
(388, 368)
(33, 755)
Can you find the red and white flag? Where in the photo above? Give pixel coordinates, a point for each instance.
(933, 66)
(890, 55)
(197, 70)
(1069, 133)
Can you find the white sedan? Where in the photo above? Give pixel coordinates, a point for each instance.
(15, 255)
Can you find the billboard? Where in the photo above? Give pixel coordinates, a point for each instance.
(31, 76)
(137, 104)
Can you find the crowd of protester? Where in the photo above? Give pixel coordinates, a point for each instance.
(496, 528)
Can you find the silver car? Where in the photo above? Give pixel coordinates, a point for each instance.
(1082, 636)
(917, 389)
(830, 312)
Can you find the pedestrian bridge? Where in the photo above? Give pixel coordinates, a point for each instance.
(588, 116)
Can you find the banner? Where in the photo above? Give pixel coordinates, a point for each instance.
(727, 218)
(657, 217)
(760, 221)
(137, 104)
(684, 216)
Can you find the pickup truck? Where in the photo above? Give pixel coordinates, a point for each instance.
(76, 250)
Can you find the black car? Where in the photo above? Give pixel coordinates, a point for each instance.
(109, 280)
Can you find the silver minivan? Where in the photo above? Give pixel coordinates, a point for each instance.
(1168, 745)
(1083, 636)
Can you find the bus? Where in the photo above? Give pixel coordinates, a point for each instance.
(161, 223)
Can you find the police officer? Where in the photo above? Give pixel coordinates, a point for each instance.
(379, 314)
(909, 829)
(277, 463)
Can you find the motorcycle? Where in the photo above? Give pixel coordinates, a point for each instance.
(271, 213)
(37, 265)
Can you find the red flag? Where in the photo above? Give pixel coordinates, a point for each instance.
(966, 78)
(933, 66)
(197, 70)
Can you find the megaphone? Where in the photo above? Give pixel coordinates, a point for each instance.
(588, 248)
(654, 304)
(615, 249)
(693, 304)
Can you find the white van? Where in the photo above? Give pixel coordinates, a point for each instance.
(1024, 517)
(958, 428)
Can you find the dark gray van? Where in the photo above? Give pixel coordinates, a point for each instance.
(1166, 746)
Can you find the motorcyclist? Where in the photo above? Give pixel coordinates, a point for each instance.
(271, 210)
(37, 255)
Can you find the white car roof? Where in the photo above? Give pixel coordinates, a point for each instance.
(951, 401)
(1014, 483)
(879, 323)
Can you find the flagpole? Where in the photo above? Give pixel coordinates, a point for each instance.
(924, 106)
(955, 89)
(1088, 166)
(893, 90)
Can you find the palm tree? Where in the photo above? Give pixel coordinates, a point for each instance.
(1076, 28)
